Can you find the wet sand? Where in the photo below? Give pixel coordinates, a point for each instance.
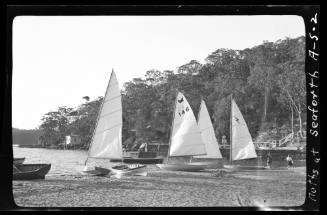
(279, 187)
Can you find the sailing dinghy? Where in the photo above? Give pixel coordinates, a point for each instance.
(185, 137)
(242, 146)
(106, 141)
(213, 157)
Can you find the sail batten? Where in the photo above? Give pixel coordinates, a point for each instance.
(186, 137)
(208, 134)
(106, 140)
(109, 99)
(108, 128)
(111, 113)
(242, 144)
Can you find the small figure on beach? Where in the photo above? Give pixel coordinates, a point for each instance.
(223, 140)
(269, 160)
(289, 161)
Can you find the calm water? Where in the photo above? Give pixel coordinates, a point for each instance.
(70, 162)
(66, 162)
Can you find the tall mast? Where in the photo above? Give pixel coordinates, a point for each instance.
(172, 125)
(231, 129)
(198, 117)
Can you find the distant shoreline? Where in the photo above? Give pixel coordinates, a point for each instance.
(48, 147)
(28, 146)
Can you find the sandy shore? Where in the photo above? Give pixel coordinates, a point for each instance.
(166, 189)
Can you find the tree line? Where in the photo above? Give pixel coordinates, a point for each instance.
(266, 81)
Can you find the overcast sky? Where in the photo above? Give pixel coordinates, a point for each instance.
(57, 60)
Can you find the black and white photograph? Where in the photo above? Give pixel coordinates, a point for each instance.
(164, 111)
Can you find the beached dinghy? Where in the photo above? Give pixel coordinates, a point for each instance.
(140, 157)
(131, 160)
(242, 146)
(189, 167)
(106, 142)
(30, 171)
(213, 158)
(185, 139)
(18, 160)
(131, 169)
(96, 171)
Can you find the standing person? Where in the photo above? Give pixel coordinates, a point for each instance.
(223, 140)
(142, 147)
(289, 161)
(269, 160)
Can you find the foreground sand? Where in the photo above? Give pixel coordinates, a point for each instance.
(166, 189)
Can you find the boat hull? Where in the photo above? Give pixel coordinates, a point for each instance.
(183, 167)
(253, 168)
(18, 161)
(139, 160)
(96, 171)
(209, 164)
(30, 171)
(138, 170)
(239, 167)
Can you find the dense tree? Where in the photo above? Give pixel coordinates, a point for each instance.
(54, 126)
(266, 81)
(83, 123)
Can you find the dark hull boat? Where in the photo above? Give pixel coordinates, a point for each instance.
(30, 171)
(131, 160)
(182, 167)
(19, 160)
(237, 167)
(136, 157)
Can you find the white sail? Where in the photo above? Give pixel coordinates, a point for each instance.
(208, 134)
(106, 140)
(186, 136)
(242, 145)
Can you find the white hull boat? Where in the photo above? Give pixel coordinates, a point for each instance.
(241, 141)
(185, 137)
(128, 170)
(213, 156)
(95, 171)
(182, 167)
(106, 140)
(209, 164)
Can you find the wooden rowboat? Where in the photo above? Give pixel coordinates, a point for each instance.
(30, 171)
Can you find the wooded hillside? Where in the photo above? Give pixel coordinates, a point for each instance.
(267, 83)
